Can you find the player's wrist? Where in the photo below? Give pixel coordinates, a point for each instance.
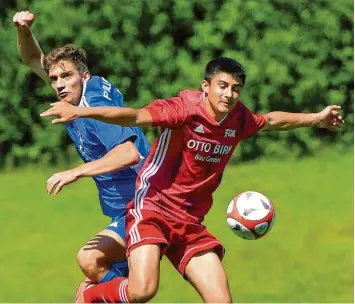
(24, 31)
(317, 119)
(77, 172)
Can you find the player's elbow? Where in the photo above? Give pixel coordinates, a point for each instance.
(272, 121)
(132, 154)
(28, 61)
(143, 118)
(32, 60)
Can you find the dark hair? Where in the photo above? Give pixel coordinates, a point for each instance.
(224, 65)
(68, 52)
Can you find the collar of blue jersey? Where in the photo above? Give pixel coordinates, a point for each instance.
(83, 102)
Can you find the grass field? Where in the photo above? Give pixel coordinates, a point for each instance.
(307, 257)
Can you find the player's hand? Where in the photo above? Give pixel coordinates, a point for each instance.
(58, 180)
(330, 118)
(23, 20)
(65, 111)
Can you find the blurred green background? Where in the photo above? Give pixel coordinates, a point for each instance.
(298, 56)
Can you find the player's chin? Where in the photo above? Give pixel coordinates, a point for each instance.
(69, 99)
(225, 108)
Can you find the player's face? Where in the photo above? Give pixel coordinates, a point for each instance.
(223, 92)
(67, 82)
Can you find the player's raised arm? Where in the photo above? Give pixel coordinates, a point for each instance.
(113, 115)
(329, 119)
(27, 45)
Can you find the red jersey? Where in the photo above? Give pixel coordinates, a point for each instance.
(186, 162)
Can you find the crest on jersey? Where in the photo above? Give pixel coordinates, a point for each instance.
(229, 133)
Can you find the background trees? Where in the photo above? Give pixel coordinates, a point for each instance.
(298, 56)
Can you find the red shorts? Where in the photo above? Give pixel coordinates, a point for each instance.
(180, 240)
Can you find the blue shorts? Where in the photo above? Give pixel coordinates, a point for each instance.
(118, 225)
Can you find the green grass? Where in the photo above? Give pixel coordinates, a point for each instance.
(307, 257)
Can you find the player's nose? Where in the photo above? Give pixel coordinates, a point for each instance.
(228, 93)
(60, 83)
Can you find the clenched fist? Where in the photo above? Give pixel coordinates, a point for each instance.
(23, 20)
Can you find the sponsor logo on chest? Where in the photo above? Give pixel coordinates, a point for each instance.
(207, 147)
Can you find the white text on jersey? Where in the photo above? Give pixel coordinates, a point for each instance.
(208, 159)
(208, 147)
(107, 88)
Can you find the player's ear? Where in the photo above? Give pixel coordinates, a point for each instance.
(205, 86)
(86, 76)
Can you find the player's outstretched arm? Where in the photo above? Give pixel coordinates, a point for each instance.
(329, 119)
(27, 45)
(125, 117)
(119, 158)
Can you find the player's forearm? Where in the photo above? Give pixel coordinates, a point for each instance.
(97, 167)
(28, 47)
(112, 115)
(121, 157)
(282, 121)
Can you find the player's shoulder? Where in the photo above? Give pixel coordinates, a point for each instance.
(96, 85)
(191, 97)
(101, 92)
(240, 108)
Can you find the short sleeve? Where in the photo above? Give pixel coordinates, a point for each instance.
(168, 113)
(112, 135)
(252, 123)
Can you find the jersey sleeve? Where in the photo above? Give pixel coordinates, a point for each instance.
(112, 135)
(168, 113)
(252, 123)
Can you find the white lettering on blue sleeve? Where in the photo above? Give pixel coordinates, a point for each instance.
(106, 86)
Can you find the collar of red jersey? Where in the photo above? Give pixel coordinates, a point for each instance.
(204, 105)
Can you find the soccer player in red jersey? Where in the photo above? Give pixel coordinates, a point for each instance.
(200, 130)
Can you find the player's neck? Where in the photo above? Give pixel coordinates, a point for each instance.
(211, 112)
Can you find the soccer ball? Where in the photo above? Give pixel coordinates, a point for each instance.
(250, 215)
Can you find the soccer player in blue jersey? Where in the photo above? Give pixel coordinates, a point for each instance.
(112, 154)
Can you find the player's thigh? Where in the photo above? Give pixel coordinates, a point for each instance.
(108, 246)
(112, 246)
(147, 239)
(144, 271)
(206, 274)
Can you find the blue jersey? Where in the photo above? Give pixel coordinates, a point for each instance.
(93, 139)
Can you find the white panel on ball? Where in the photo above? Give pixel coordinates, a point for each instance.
(230, 207)
(253, 205)
(240, 230)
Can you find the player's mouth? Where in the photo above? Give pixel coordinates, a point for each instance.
(227, 103)
(62, 95)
